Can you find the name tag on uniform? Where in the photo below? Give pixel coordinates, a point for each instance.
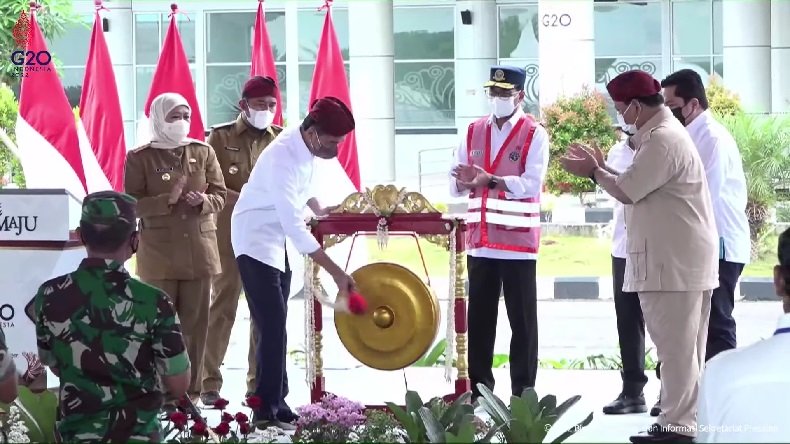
(165, 170)
(476, 153)
(231, 148)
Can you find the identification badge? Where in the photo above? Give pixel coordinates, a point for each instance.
(231, 148)
(165, 170)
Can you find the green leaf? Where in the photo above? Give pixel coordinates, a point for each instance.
(466, 434)
(432, 358)
(522, 412)
(38, 411)
(433, 428)
(562, 408)
(568, 433)
(500, 360)
(493, 405)
(492, 432)
(413, 402)
(413, 430)
(455, 409)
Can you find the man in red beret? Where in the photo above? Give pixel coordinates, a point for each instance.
(671, 246)
(238, 145)
(270, 208)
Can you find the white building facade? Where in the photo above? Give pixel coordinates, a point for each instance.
(416, 68)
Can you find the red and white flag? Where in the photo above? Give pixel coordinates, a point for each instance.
(172, 75)
(100, 128)
(46, 131)
(329, 79)
(263, 59)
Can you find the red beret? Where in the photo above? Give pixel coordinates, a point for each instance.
(258, 86)
(631, 85)
(332, 116)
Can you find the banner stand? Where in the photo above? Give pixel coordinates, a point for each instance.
(37, 243)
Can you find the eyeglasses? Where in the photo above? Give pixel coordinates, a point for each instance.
(503, 95)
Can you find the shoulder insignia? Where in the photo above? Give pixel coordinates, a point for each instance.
(141, 147)
(223, 125)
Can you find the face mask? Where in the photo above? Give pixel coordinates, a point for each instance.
(502, 106)
(260, 119)
(678, 112)
(628, 128)
(176, 131)
(322, 152)
(134, 243)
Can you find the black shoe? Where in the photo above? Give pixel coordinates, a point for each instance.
(626, 404)
(656, 433)
(263, 423)
(209, 398)
(287, 417)
(656, 410)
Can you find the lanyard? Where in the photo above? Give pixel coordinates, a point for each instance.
(779, 331)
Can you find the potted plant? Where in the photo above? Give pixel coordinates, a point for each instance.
(581, 118)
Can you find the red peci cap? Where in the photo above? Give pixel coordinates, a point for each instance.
(631, 85)
(332, 116)
(258, 86)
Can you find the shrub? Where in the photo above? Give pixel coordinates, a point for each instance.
(722, 101)
(580, 118)
(8, 112)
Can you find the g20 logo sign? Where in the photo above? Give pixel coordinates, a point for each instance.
(556, 20)
(31, 58)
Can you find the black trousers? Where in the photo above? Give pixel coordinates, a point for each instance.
(721, 329)
(630, 332)
(487, 280)
(267, 289)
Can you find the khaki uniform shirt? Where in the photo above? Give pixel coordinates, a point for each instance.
(238, 145)
(672, 242)
(177, 242)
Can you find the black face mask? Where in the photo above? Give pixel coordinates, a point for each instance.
(134, 243)
(678, 113)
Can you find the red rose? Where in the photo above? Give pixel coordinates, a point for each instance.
(222, 429)
(254, 402)
(241, 418)
(199, 428)
(221, 403)
(357, 304)
(227, 417)
(244, 428)
(179, 420)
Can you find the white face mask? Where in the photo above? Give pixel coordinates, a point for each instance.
(628, 128)
(502, 106)
(176, 131)
(260, 119)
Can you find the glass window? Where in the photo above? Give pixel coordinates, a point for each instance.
(425, 94)
(306, 72)
(71, 47)
(627, 29)
(691, 28)
(146, 38)
(311, 23)
(424, 33)
(229, 36)
(518, 32)
(718, 33)
(702, 65)
(223, 90)
(718, 66)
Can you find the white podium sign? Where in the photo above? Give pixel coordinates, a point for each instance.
(36, 245)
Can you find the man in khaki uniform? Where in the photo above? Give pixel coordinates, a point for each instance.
(671, 246)
(238, 145)
(178, 185)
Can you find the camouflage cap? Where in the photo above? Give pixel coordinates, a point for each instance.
(109, 208)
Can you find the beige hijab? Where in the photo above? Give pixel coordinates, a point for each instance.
(160, 108)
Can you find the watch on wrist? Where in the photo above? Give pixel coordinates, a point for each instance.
(493, 183)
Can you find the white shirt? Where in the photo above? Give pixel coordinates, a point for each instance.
(727, 183)
(745, 393)
(272, 203)
(529, 184)
(620, 157)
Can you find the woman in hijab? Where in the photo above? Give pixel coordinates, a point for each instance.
(179, 187)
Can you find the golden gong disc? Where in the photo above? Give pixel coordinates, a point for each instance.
(401, 322)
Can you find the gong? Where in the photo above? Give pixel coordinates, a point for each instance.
(401, 322)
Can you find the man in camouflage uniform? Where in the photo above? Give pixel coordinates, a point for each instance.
(8, 389)
(114, 342)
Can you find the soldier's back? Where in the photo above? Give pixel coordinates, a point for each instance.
(109, 336)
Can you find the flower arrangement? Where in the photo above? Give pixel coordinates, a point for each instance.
(332, 419)
(12, 427)
(183, 427)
